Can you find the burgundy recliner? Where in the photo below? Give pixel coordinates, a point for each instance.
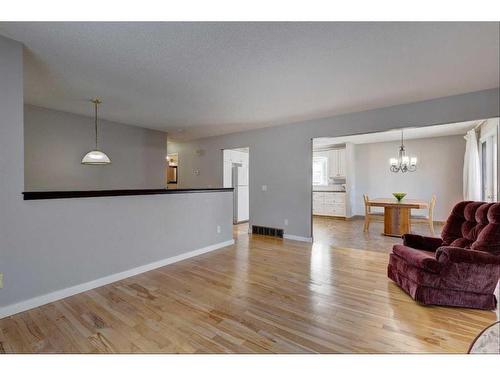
(461, 269)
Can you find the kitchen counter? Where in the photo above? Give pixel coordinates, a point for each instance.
(329, 203)
(328, 191)
(32, 195)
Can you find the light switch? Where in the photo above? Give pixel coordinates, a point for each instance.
(264, 187)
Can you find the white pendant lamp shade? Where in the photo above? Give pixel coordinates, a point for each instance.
(96, 156)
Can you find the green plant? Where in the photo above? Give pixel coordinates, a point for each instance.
(399, 196)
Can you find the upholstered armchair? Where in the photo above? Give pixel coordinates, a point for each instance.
(460, 269)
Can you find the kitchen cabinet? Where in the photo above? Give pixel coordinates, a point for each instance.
(337, 167)
(328, 203)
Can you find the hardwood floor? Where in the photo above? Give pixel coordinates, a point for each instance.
(259, 295)
(349, 233)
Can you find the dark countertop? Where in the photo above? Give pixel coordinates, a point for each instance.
(32, 195)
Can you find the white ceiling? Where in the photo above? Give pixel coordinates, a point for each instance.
(202, 79)
(459, 128)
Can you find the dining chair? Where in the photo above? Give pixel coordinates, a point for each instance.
(369, 214)
(428, 217)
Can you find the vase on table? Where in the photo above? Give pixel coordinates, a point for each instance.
(399, 196)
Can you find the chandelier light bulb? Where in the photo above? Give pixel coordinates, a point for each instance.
(403, 163)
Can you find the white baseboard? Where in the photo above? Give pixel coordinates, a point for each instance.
(63, 293)
(297, 238)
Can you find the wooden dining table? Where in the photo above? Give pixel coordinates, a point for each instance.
(397, 215)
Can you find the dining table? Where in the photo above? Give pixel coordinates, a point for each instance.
(397, 214)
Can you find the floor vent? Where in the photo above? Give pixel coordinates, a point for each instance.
(274, 232)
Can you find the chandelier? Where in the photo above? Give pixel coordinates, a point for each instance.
(403, 163)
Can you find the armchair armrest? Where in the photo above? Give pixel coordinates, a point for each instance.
(458, 255)
(422, 259)
(422, 242)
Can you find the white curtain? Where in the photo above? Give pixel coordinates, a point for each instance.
(472, 168)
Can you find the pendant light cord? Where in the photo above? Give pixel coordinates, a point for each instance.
(95, 106)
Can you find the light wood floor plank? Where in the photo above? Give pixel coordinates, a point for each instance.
(261, 295)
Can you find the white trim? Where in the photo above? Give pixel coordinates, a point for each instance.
(63, 293)
(297, 238)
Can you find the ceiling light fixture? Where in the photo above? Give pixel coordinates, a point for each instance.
(403, 163)
(96, 157)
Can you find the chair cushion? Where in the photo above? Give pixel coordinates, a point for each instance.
(452, 230)
(418, 258)
(488, 239)
(458, 255)
(419, 242)
(466, 223)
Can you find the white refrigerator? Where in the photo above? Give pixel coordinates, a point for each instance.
(241, 198)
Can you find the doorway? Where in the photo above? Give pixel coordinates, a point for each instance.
(355, 177)
(172, 171)
(236, 175)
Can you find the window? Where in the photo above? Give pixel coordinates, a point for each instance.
(320, 168)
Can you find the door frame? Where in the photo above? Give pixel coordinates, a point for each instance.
(489, 140)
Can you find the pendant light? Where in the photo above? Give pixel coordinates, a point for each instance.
(96, 157)
(403, 163)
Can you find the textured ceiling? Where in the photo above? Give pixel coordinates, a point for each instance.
(459, 128)
(202, 79)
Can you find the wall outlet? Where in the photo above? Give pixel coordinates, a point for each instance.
(286, 222)
(1, 280)
(264, 187)
(218, 229)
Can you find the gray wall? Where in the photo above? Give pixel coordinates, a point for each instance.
(439, 172)
(55, 143)
(49, 245)
(280, 157)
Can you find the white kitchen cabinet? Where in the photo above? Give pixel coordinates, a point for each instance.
(337, 167)
(328, 203)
